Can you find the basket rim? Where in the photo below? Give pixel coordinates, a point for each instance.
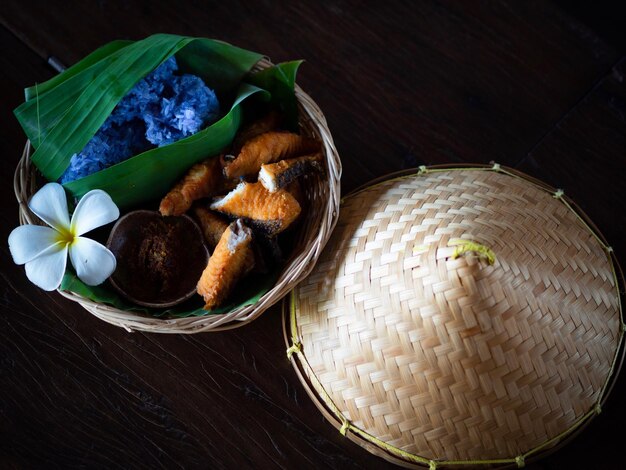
(296, 269)
(320, 397)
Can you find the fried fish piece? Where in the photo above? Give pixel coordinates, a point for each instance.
(211, 224)
(270, 213)
(232, 259)
(274, 176)
(270, 122)
(203, 179)
(269, 147)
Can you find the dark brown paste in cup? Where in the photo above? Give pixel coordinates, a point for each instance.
(159, 259)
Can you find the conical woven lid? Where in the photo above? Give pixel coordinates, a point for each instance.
(459, 315)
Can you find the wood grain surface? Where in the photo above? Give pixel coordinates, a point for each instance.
(401, 84)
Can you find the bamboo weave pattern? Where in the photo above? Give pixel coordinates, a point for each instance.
(451, 357)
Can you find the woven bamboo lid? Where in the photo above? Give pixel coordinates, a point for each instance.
(459, 317)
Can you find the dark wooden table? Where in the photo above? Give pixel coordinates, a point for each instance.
(523, 83)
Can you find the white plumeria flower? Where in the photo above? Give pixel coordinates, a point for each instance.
(44, 249)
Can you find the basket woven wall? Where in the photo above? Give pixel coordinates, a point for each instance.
(323, 194)
(459, 317)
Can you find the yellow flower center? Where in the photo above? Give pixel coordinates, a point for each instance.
(66, 236)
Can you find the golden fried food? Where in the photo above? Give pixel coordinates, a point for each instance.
(211, 224)
(268, 148)
(270, 213)
(203, 179)
(274, 176)
(269, 122)
(232, 259)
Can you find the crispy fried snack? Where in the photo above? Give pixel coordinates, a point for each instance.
(232, 259)
(269, 122)
(274, 176)
(203, 179)
(270, 213)
(212, 225)
(268, 148)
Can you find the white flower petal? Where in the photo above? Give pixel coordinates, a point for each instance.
(96, 208)
(26, 242)
(50, 205)
(92, 261)
(46, 271)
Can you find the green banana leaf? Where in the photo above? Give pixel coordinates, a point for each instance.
(51, 106)
(281, 81)
(151, 174)
(64, 113)
(86, 62)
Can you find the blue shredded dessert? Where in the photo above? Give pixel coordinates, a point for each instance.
(160, 109)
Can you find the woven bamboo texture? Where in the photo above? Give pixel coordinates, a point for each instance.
(422, 347)
(323, 194)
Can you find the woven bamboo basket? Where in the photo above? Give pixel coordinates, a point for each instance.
(323, 194)
(459, 317)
